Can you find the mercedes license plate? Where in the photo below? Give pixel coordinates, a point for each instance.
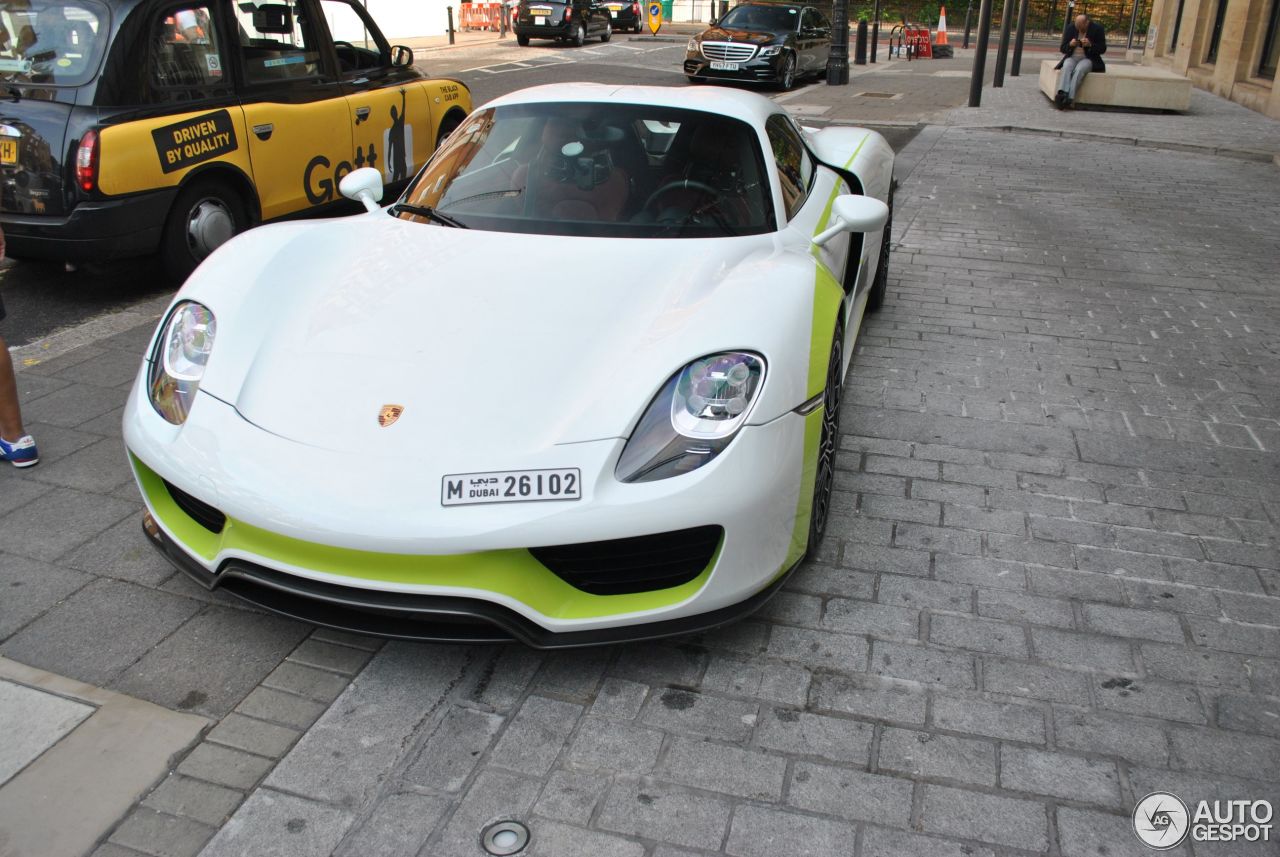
(717, 65)
(511, 486)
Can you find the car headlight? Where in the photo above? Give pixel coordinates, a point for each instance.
(179, 359)
(771, 50)
(692, 47)
(694, 417)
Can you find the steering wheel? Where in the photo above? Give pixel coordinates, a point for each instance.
(355, 54)
(679, 184)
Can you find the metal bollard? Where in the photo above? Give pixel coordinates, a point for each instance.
(860, 46)
(449, 11)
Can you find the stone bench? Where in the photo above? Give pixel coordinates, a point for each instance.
(1124, 86)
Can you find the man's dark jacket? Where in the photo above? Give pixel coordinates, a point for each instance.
(1097, 47)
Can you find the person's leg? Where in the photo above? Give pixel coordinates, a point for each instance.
(10, 416)
(1064, 77)
(15, 446)
(1083, 67)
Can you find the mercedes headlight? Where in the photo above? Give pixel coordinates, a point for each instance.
(694, 417)
(692, 47)
(179, 358)
(771, 50)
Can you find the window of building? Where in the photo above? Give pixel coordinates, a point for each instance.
(1177, 26)
(1270, 43)
(1219, 18)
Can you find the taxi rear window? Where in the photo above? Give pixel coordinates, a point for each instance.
(51, 44)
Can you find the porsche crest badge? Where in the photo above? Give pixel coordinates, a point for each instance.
(389, 414)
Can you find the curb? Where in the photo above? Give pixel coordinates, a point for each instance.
(88, 332)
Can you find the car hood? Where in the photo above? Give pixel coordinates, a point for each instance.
(754, 37)
(495, 340)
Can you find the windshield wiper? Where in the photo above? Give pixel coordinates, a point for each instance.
(429, 213)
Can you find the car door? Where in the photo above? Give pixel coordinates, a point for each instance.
(806, 42)
(294, 106)
(821, 40)
(806, 189)
(388, 109)
(189, 115)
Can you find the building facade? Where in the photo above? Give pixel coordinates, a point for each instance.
(1229, 47)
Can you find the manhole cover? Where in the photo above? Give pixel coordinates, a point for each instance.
(877, 95)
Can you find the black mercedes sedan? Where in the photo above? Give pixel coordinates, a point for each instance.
(761, 42)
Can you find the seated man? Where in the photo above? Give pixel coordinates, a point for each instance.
(1083, 44)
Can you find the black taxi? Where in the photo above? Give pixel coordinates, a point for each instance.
(130, 127)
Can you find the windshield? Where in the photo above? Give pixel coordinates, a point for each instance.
(772, 18)
(56, 43)
(607, 170)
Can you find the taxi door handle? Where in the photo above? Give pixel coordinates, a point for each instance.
(264, 131)
(362, 113)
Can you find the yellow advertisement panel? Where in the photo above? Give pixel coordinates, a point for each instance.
(154, 153)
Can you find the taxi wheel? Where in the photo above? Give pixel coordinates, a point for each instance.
(522, 41)
(608, 33)
(447, 127)
(579, 36)
(205, 216)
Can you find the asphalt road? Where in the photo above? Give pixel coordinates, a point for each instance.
(42, 298)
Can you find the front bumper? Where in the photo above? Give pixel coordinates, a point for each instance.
(96, 230)
(312, 536)
(756, 70)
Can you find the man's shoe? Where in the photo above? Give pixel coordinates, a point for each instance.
(21, 453)
(1060, 100)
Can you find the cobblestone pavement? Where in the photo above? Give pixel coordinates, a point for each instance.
(1051, 586)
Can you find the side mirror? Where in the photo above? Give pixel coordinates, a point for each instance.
(849, 213)
(363, 185)
(401, 56)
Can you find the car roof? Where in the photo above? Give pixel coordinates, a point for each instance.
(734, 103)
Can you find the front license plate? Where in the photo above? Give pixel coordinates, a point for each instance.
(8, 151)
(717, 65)
(511, 486)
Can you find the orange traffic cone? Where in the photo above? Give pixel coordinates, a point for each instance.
(941, 49)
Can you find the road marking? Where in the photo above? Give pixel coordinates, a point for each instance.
(516, 65)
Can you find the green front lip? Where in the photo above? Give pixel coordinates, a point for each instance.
(513, 573)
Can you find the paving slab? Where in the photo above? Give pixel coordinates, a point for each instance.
(32, 721)
(131, 744)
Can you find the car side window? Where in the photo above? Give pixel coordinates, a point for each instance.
(278, 42)
(819, 21)
(359, 43)
(795, 165)
(185, 54)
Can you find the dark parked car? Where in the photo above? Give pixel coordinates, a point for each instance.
(572, 21)
(761, 43)
(627, 16)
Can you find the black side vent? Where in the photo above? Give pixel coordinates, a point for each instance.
(639, 564)
(198, 510)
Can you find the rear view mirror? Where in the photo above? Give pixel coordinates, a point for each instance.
(363, 185)
(401, 56)
(854, 213)
(273, 18)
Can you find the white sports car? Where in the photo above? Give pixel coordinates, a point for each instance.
(580, 384)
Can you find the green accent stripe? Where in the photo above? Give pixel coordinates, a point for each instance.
(513, 573)
(827, 298)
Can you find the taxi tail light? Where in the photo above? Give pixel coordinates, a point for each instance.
(87, 162)
(568, 12)
(635, 9)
